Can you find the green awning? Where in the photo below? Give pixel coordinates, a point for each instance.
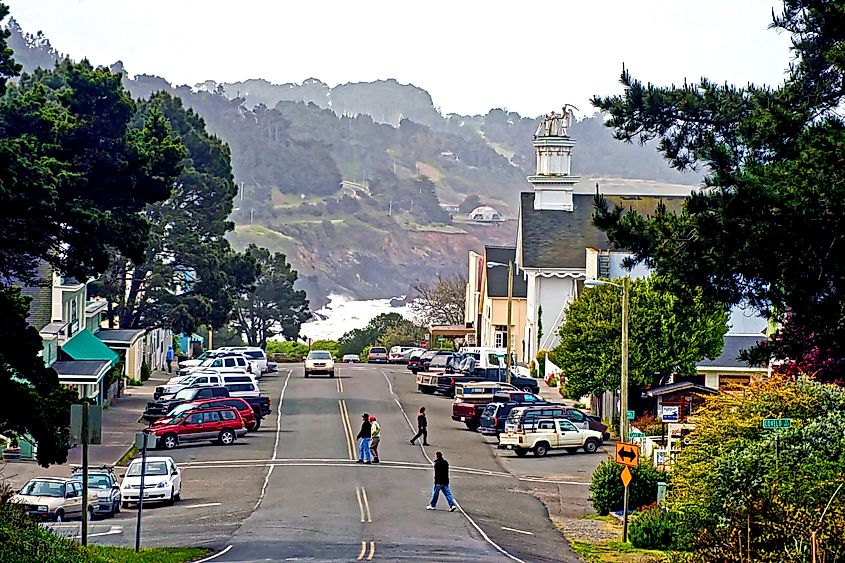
(85, 346)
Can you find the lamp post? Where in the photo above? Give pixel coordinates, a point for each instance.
(510, 309)
(623, 398)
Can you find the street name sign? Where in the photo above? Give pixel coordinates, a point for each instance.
(776, 423)
(636, 435)
(627, 454)
(631, 415)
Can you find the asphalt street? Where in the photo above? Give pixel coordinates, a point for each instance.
(292, 490)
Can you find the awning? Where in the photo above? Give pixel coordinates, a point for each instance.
(121, 338)
(81, 372)
(85, 346)
(681, 386)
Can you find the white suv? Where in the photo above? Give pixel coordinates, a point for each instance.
(255, 355)
(319, 361)
(233, 363)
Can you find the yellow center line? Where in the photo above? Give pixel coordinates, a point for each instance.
(340, 384)
(372, 550)
(363, 550)
(366, 504)
(344, 422)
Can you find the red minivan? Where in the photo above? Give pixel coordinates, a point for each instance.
(219, 425)
(244, 409)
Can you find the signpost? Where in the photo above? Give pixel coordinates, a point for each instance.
(629, 456)
(86, 427)
(143, 441)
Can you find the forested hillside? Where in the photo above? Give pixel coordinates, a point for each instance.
(352, 182)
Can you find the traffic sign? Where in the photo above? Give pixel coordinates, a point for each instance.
(631, 415)
(627, 454)
(776, 423)
(626, 477)
(636, 435)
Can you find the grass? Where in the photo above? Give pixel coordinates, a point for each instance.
(149, 555)
(127, 457)
(616, 552)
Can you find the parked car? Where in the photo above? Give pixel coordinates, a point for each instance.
(249, 389)
(549, 434)
(377, 355)
(254, 354)
(495, 413)
(319, 361)
(399, 354)
(103, 482)
(525, 417)
(193, 362)
(414, 360)
(472, 398)
(350, 359)
(219, 425)
(50, 498)
(162, 481)
(251, 420)
(225, 362)
(200, 379)
(160, 407)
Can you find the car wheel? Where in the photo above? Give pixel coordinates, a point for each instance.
(60, 515)
(520, 452)
(115, 508)
(591, 446)
(472, 426)
(169, 441)
(331, 373)
(541, 449)
(306, 374)
(227, 438)
(178, 496)
(572, 450)
(125, 505)
(90, 514)
(257, 425)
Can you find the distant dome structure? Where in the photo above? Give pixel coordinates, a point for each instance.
(485, 214)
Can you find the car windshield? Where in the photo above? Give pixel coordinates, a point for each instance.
(153, 468)
(184, 394)
(97, 481)
(44, 489)
(319, 355)
(180, 410)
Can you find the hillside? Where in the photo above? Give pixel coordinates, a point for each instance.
(352, 181)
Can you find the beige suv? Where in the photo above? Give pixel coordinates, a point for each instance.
(48, 498)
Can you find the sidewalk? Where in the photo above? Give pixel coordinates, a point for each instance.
(120, 424)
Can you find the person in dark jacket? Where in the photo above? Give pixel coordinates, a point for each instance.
(422, 428)
(441, 483)
(364, 435)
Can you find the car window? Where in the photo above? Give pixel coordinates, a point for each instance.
(212, 416)
(227, 415)
(217, 363)
(566, 426)
(229, 362)
(239, 387)
(529, 398)
(219, 392)
(255, 355)
(546, 425)
(200, 380)
(195, 418)
(575, 415)
(204, 393)
(377, 350)
(153, 468)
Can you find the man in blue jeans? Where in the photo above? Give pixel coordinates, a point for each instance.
(441, 483)
(364, 435)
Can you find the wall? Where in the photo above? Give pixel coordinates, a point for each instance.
(554, 294)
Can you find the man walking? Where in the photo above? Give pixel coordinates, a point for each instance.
(422, 428)
(364, 435)
(441, 483)
(169, 359)
(375, 437)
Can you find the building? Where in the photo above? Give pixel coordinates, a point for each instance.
(472, 298)
(493, 307)
(556, 240)
(485, 214)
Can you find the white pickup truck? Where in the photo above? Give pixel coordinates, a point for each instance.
(549, 434)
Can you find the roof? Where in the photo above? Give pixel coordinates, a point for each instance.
(688, 386)
(41, 306)
(557, 239)
(81, 371)
(734, 344)
(54, 327)
(120, 336)
(497, 276)
(85, 346)
(93, 307)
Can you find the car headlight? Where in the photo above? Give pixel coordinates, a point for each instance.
(43, 508)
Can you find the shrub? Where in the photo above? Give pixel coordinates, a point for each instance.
(330, 345)
(607, 491)
(287, 348)
(648, 424)
(652, 528)
(146, 372)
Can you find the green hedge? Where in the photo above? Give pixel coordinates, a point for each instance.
(608, 492)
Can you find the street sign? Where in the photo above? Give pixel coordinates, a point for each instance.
(631, 415)
(669, 413)
(627, 454)
(95, 424)
(636, 435)
(626, 477)
(770, 423)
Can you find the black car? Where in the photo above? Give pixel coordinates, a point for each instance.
(159, 408)
(494, 415)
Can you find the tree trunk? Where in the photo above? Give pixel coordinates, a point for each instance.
(130, 316)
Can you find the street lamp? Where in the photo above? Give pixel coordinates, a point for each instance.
(510, 305)
(623, 399)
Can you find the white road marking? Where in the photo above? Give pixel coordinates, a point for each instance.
(401, 408)
(113, 531)
(372, 551)
(366, 504)
(216, 555)
(363, 550)
(276, 444)
(205, 505)
(360, 502)
(518, 531)
(347, 429)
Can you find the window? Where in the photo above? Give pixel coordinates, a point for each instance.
(195, 418)
(199, 380)
(255, 355)
(241, 387)
(212, 416)
(529, 398)
(575, 416)
(219, 392)
(546, 425)
(566, 426)
(217, 363)
(240, 361)
(227, 415)
(204, 393)
(229, 362)
(501, 336)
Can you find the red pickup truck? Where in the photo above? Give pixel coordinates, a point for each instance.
(471, 398)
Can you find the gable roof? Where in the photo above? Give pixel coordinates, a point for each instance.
(85, 346)
(497, 276)
(734, 344)
(557, 239)
(120, 337)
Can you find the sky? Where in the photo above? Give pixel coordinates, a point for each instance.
(530, 56)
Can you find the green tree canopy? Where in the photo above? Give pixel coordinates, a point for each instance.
(669, 332)
(272, 306)
(769, 229)
(354, 341)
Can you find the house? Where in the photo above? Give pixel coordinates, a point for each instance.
(129, 343)
(472, 298)
(556, 239)
(485, 214)
(493, 309)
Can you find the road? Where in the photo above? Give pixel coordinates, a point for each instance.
(292, 491)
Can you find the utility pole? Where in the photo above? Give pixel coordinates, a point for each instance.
(510, 309)
(84, 471)
(623, 430)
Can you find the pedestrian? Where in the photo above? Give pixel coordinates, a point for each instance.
(375, 437)
(441, 483)
(364, 435)
(422, 428)
(170, 359)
